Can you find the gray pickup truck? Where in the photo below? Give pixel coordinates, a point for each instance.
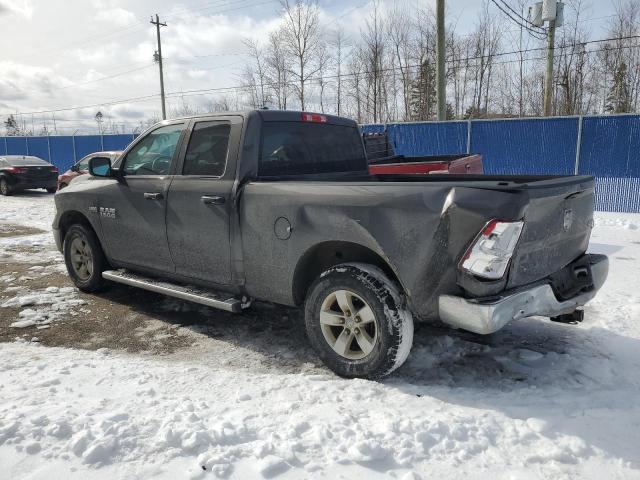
(278, 206)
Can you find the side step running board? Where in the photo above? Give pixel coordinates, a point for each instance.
(220, 300)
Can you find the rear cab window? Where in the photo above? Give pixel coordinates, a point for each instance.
(207, 150)
(306, 148)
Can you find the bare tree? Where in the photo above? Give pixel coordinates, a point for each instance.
(278, 68)
(399, 31)
(339, 43)
(257, 73)
(302, 37)
(374, 50)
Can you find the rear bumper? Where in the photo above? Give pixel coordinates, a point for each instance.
(20, 184)
(488, 316)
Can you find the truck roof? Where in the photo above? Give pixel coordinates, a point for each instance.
(279, 116)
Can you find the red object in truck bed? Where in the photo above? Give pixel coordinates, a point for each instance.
(428, 165)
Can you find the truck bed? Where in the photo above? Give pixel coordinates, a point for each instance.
(441, 214)
(500, 182)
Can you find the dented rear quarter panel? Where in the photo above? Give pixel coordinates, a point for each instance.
(420, 229)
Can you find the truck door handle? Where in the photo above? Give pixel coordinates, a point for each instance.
(153, 196)
(212, 200)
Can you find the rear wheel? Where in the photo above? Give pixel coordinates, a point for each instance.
(84, 258)
(5, 188)
(357, 323)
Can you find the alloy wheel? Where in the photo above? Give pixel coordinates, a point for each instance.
(348, 324)
(81, 258)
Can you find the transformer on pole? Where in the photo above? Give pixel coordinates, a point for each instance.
(550, 11)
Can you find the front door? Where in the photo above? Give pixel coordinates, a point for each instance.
(133, 210)
(200, 202)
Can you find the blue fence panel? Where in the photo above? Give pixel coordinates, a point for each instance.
(610, 151)
(62, 152)
(117, 142)
(428, 138)
(610, 146)
(17, 146)
(87, 144)
(527, 147)
(38, 147)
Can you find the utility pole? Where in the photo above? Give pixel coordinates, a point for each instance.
(548, 79)
(157, 23)
(440, 72)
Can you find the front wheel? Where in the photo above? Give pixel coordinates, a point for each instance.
(84, 258)
(5, 188)
(51, 190)
(357, 323)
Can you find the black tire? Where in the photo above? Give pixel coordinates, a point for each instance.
(393, 322)
(62, 185)
(93, 280)
(52, 190)
(5, 188)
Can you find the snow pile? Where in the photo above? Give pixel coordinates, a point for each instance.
(32, 209)
(43, 307)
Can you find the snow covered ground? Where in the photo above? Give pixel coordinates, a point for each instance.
(536, 400)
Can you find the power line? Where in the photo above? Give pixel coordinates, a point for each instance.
(241, 7)
(535, 33)
(519, 15)
(109, 77)
(327, 77)
(205, 6)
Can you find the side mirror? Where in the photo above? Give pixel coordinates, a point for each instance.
(100, 167)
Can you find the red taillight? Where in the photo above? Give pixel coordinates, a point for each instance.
(17, 170)
(314, 117)
(491, 226)
(490, 253)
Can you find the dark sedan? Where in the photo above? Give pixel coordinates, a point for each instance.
(19, 172)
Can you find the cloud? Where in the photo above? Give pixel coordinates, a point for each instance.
(117, 17)
(128, 111)
(20, 7)
(18, 81)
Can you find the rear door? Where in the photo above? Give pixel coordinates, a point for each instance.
(200, 201)
(132, 211)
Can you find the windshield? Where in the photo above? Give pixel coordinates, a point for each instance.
(302, 148)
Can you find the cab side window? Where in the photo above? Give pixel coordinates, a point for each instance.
(207, 149)
(153, 154)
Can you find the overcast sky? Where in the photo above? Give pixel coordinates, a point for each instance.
(57, 53)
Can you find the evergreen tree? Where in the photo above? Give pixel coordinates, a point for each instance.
(11, 126)
(423, 93)
(619, 97)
